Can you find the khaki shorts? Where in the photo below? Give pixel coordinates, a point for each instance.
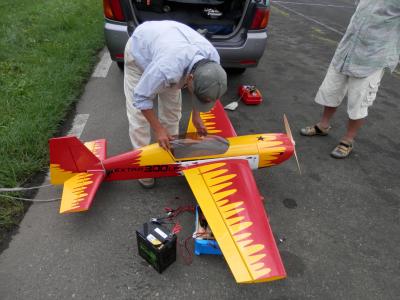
(361, 92)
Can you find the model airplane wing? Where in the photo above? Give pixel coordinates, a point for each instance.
(228, 196)
(216, 122)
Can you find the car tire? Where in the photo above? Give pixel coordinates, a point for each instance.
(120, 65)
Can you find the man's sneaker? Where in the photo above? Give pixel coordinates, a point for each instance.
(147, 183)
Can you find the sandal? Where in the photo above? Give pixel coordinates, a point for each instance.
(314, 130)
(343, 149)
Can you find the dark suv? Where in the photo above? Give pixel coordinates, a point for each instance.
(237, 28)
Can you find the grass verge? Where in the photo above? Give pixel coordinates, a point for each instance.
(47, 51)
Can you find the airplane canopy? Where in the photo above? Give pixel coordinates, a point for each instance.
(196, 146)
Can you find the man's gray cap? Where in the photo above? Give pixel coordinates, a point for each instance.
(209, 84)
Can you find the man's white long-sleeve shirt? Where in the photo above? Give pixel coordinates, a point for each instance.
(166, 52)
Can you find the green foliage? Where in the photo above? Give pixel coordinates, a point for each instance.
(47, 51)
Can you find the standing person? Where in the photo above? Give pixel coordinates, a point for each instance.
(161, 57)
(370, 45)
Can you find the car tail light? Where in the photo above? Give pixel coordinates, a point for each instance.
(248, 62)
(261, 18)
(113, 10)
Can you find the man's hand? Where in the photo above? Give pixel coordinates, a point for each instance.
(198, 123)
(162, 135)
(163, 138)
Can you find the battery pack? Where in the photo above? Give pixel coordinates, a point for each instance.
(249, 94)
(204, 241)
(157, 245)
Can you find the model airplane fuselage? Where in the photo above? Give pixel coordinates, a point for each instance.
(259, 150)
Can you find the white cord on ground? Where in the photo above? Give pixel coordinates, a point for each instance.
(31, 200)
(19, 189)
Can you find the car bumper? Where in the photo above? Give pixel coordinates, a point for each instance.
(244, 54)
(241, 53)
(116, 37)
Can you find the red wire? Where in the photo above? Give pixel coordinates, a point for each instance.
(183, 246)
(177, 228)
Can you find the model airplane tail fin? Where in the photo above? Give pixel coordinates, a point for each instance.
(79, 167)
(68, 155)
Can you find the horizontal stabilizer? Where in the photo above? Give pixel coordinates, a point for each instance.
(79, 191)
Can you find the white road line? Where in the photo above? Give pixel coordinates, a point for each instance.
(314, 4)
(103, 66)
(309, 18)
(78, 125)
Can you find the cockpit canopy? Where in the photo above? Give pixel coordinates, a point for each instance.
(196, 146)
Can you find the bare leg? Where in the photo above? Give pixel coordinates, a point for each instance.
(327, 116)
(352, 128)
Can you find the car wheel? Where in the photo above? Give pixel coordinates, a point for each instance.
(120, 65)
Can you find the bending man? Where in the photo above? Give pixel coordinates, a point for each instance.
(161, 57)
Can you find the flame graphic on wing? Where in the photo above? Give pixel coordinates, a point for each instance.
(216, 122)
(75, 191)
(209, 121)
(234, 215)
(58, 175)
(211, 126)
(229, 199)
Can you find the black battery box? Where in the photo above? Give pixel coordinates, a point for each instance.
(151, 5)
(157, 245)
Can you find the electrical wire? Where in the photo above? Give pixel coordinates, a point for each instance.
(19, 189)
(185, 249)
(31, 200)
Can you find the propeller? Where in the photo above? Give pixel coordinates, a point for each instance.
(289, 134)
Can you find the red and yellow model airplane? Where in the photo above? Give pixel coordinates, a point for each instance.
(218, 169)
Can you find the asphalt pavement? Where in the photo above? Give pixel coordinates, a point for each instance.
(337, 224)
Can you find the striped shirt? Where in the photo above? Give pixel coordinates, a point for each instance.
(372, 39)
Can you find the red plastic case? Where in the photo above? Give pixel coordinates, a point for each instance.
(249, 94)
